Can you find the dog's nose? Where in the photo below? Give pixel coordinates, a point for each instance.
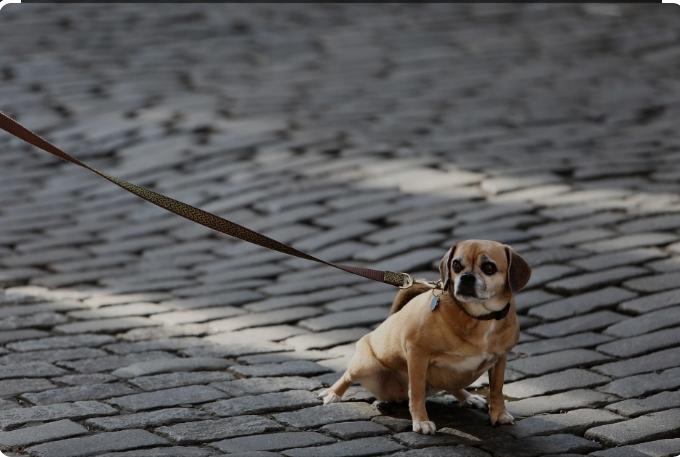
(467, 279)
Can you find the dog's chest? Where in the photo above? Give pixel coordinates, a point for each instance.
(468, 358)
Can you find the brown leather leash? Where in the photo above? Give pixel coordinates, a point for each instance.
(401, 280)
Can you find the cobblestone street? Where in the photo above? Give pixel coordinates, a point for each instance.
(368, 134)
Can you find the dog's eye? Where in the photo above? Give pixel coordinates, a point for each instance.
(488, 268)
(456, 266)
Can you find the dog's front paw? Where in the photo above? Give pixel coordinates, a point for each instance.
(424, 427)
(329, 397)
(475, 402)
(502, 417)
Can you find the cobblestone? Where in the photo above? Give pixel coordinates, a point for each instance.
(219, 429)
(644, 428)
(322, 415)
(552, 383)
(97, 444)
(39, 434)
(272, 442)
(149, 419)
(169, 397)
(333, 130)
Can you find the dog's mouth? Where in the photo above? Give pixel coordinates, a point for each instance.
(466, 292)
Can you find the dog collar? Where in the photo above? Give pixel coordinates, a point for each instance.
(496, 315)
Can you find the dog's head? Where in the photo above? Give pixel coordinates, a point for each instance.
(478, 270)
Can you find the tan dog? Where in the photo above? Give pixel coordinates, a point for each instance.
(418, 351)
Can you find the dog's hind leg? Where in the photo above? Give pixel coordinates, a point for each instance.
(362, 365)
(468, 400)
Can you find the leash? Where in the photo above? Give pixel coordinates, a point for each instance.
(219, 224)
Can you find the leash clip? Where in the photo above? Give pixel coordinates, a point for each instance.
(409, 282)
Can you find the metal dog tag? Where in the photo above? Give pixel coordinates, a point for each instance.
(434, 302)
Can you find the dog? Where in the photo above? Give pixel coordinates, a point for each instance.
(417, 350)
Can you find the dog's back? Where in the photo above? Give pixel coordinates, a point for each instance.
(406, 295)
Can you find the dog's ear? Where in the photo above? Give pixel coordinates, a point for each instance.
(445, 267)
(519, 272)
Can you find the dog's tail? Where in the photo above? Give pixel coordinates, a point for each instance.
(406, 295)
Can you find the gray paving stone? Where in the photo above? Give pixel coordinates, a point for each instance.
(555, 361)
(666, 265)
(132, 309)
(20, 335)
(97, 444)
(171, 365)
(542, 445)
(529, 299)
(655, 283)
(630, 241)
(636, 407)
(255, 386)
(659, 448)
(579, 398)
(351, 430)
(33, 320)
(150, 333)
(642, 344)
(584, 323)
(51, 356)
(61, 342)
(164, 344)
(293, 368)
(653, 426)
(352, 318)
(30, 370)
(112, 362)
(39, 434)
(581, 304)
(665, 222)
(356, 448)
(105, 325)
(23, 310)
(288, 301)
(537, 347)
(655, 361)
(233, 350)
(197, 315)
(85, 379)
(323, 340)
(644, 384)
(554, 255)
(12, 387)
(170, 380)
(552, 383)
(14, 418)
(220, 429)
(267, 318)
(144, 420)
(573, 237)
(78, 393)
(575, 422)
(327, 414)
(161, 452)
(168, 398)
(272, 442)
(651, 302)
(616, 259)
(279, 357)
(591, 280)
(646, 323)
(549, 272)
(443, 451)
(264, 403)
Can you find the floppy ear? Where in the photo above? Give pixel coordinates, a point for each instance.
(519, 272)
(445, 267)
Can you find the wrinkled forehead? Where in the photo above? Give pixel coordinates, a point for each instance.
(479, 251)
